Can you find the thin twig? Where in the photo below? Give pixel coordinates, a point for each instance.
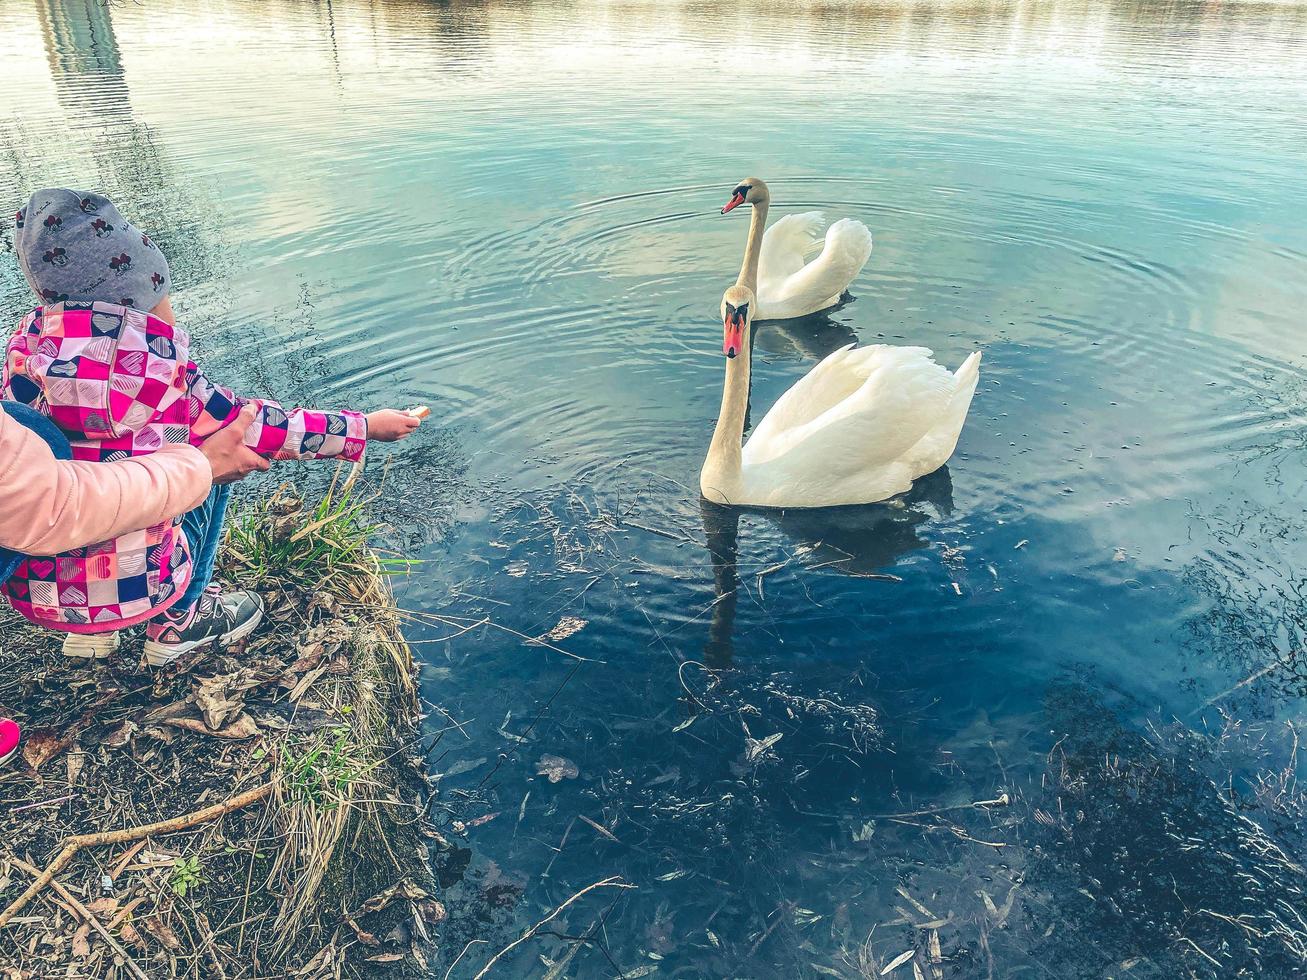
(559, 849)
(532, 640)
(1248, 680)
(454, 635)
(471, 943)
(600, 827)
(457, 723)
(613, 882)
(658, 531)
(74, 844)
(770, 929)
(37, 806)
(1003, 800)
(88, 916)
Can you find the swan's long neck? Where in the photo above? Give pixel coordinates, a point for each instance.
(722, 467)
(753, 249)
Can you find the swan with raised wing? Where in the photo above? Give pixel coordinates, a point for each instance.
(859, 427)
(789, 284)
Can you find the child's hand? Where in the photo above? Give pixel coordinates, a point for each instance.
(390, 425)
(228, 456)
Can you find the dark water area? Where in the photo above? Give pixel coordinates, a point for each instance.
(1095, 613)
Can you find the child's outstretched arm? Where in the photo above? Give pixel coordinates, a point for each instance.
(277, 432)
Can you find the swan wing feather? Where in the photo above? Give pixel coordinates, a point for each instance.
(905, 394)
(813, 286)
(937, 445)
(834, 378)
(789, 243)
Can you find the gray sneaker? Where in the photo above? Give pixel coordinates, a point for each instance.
(222, 616)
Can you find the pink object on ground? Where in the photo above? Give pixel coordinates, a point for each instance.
(9, 738)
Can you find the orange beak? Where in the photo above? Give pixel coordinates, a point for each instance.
(733, 334)
(735, 201)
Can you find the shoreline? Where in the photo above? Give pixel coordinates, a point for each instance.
(324, 866)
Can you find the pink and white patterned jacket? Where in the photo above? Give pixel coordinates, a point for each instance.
(121, 383)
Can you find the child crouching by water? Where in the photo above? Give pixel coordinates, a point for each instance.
(119, 381)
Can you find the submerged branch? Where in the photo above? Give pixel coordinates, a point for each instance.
(1003, 800)
(613, 882)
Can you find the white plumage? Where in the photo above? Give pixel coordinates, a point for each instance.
(859, 427)
(791, 282)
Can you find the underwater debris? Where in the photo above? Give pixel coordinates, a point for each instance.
(1182, 847)
(556, 768)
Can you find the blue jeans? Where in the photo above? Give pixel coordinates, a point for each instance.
(29, 417)
(203, 528)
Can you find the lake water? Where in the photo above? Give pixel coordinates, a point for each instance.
(509, 212)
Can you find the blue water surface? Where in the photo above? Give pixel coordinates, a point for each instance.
(1092, 618)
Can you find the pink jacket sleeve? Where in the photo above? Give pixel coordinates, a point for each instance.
(277, 433)
(48, 506)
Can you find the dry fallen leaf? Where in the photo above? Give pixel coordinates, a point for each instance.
(74, 762)
(599, 827)
(40, 746)
(159, 929)
(243, 727)
(104, 907)
(897, 962)
(282, 716)
(81, 948)
(120, 736)
(431, 910)
(464, 765)
(567, 626)
(756, 747)
(221, 697)
(306, 682)
(365, 937)
(557, 768)
(416, 952)
(310, 654)
(404, 888)
(215, 702)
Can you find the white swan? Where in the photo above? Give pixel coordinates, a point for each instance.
(790, 285)
(859, 427)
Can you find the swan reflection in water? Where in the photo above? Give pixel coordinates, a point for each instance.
(808, 338)
(865, 540)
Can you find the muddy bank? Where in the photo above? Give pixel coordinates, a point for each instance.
(288, 772)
